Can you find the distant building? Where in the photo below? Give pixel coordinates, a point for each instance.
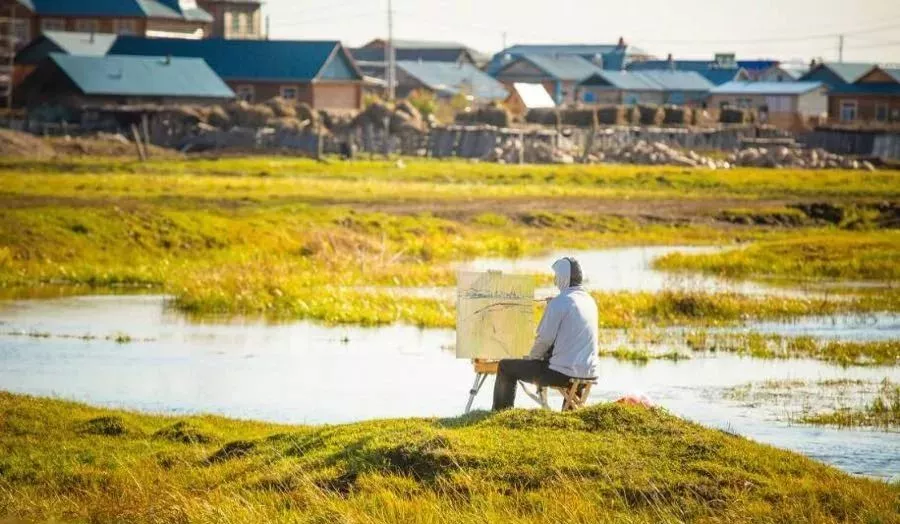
(560, 75)
(372, 60)
(23, 20)
(605, 56)
(320, 73)
(75, 81)
(783, 72)
(447, 79)
(756, 68)
(834, 74)
(784, 104)
(524, 96)
(237, 19)
(169, 18)
(721, 69)
(873, 97)
(644, 87)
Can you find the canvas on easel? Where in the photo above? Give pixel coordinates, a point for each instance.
(495, 315)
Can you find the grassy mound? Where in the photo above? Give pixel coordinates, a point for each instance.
(608, 463)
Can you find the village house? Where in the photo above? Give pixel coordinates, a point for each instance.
(559, 74)
(873, 98)
(644, 87)
(168, 18)
(784, 72)
(448, 79)
(605, 56)
(320, 73)
(62, 82)
(721, 69)
(788, 105)
(372, 60)
(237, 19)
(834, 74)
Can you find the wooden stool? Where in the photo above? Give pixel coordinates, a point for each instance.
(575, 395)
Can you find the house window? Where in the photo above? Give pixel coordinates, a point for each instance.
(588, 97)
(289, 92)
(53, 24)
(848, 110)
(235, 24)
(86, 25)
(242, 22)
(881, 112)
(125, 27)
(22, 30)
(246, 93)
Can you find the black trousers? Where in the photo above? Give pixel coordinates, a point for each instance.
(511, 371)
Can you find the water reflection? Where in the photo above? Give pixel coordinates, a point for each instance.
(306, 373)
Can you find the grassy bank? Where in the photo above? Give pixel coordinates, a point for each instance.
(836, 255)
(291, 238)
(609, 463)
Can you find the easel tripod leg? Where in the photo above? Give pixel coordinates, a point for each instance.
(476, 387)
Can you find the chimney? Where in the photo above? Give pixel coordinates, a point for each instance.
(168, 60)
(812, 63)
(670, 62)
(92, 37)
(621, 44)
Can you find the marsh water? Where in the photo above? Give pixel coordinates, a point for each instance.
(302, 372)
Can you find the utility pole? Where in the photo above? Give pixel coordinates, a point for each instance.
(268, 26)
(840, 49)
(390, 55)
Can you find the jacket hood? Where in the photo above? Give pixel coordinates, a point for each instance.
(567, 273)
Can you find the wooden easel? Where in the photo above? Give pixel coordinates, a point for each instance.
(575, 395)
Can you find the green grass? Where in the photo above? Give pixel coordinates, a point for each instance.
(613, 180)
(827, 255)
(882, 412)
(295, 239)
(67, 462)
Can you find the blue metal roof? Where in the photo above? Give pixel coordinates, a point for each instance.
(260, 60)
(848, 72)
(613, 56)
(453, 78)
(85, 44)
(374, 54)
(708, 69)
(565, 67)
(757, 66)
(866, 89)
(650, 80)
(142, 76)
(765, 88)
(119, 8)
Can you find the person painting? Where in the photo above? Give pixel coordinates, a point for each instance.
(566, 342)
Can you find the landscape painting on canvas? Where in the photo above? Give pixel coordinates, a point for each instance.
(495, 315)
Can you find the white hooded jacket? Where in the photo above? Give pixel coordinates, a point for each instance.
(569, 327)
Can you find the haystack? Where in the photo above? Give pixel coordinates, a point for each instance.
(405, 106)
(677, 115)
(216, 116)
(544, 116)
(651, 115)
(288, 124)
(303, 111)
(611, 115)
(281, 107)
(579, 117)
(243, 114)
(730, 115)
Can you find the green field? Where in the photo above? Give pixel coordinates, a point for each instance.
(65, 462)
(340, 243)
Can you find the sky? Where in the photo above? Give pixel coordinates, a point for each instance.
(789, 30)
